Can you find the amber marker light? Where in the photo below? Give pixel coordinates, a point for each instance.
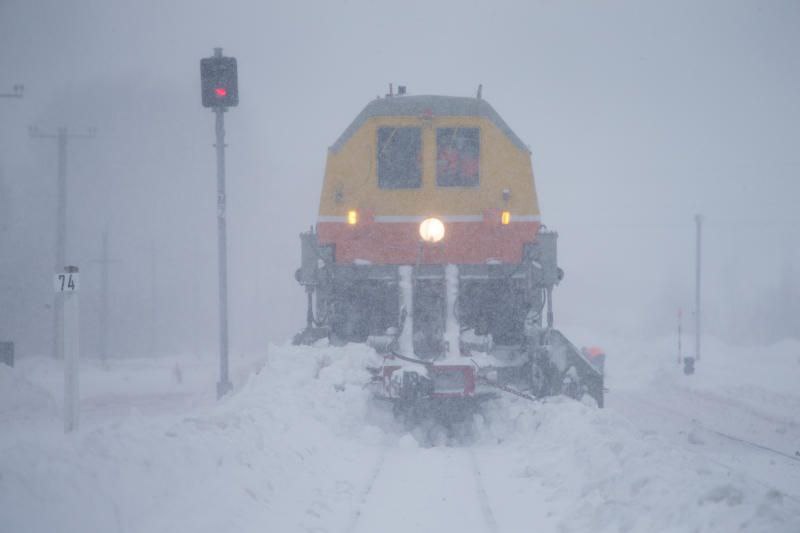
(352, 217)
(431, 230)
(505, 217)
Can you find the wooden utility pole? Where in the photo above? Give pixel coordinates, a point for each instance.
(61, 136)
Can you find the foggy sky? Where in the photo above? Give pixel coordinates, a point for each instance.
(638, 115)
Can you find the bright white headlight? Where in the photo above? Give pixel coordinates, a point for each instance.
(431, 230)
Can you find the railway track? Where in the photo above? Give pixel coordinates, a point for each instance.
(764, 462)
(733, 438)
(740, 406)
(376, 470)
(433, 489)
(486, 508)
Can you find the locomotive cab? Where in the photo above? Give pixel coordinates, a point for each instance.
(428, 245)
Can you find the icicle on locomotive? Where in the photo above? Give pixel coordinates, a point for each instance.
(429, 247)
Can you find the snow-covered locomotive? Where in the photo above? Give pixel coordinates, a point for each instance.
(429, 247)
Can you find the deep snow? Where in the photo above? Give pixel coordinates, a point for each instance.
(299, 446)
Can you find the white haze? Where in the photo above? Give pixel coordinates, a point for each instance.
(638, 115)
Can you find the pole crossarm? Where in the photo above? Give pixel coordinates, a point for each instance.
(18, 90)
(37, 133)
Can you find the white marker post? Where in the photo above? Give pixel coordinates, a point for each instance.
(66, 285)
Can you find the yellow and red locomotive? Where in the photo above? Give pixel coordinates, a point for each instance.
(429, 247)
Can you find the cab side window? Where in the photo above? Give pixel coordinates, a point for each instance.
(457, 157)
(399, 158)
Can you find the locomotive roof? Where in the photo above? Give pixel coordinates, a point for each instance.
(435, 106)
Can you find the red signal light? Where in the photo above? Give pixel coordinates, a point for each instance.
(221, 92)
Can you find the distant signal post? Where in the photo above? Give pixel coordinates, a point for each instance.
(220, 90)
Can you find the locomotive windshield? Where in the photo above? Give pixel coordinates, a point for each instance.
(457, 157)
(399, 158)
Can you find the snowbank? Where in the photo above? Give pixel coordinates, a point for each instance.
(567, 467)
(21, 399)
(299, 444)
(246, 464)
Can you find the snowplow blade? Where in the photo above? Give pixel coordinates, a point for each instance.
(576, 373)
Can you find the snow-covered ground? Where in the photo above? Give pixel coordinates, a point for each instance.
(299, 446)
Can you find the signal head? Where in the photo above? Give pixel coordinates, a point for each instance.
(219, 81)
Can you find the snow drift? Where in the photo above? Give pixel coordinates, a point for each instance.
(299, 445)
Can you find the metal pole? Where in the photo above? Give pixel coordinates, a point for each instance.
(699, 222)
(680, 334)
(104, 303)
(5, 208)
(104, 261)
(153, 301)
(61, 241)
(224, 384)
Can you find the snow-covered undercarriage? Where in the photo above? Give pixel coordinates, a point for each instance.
(449, 334)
